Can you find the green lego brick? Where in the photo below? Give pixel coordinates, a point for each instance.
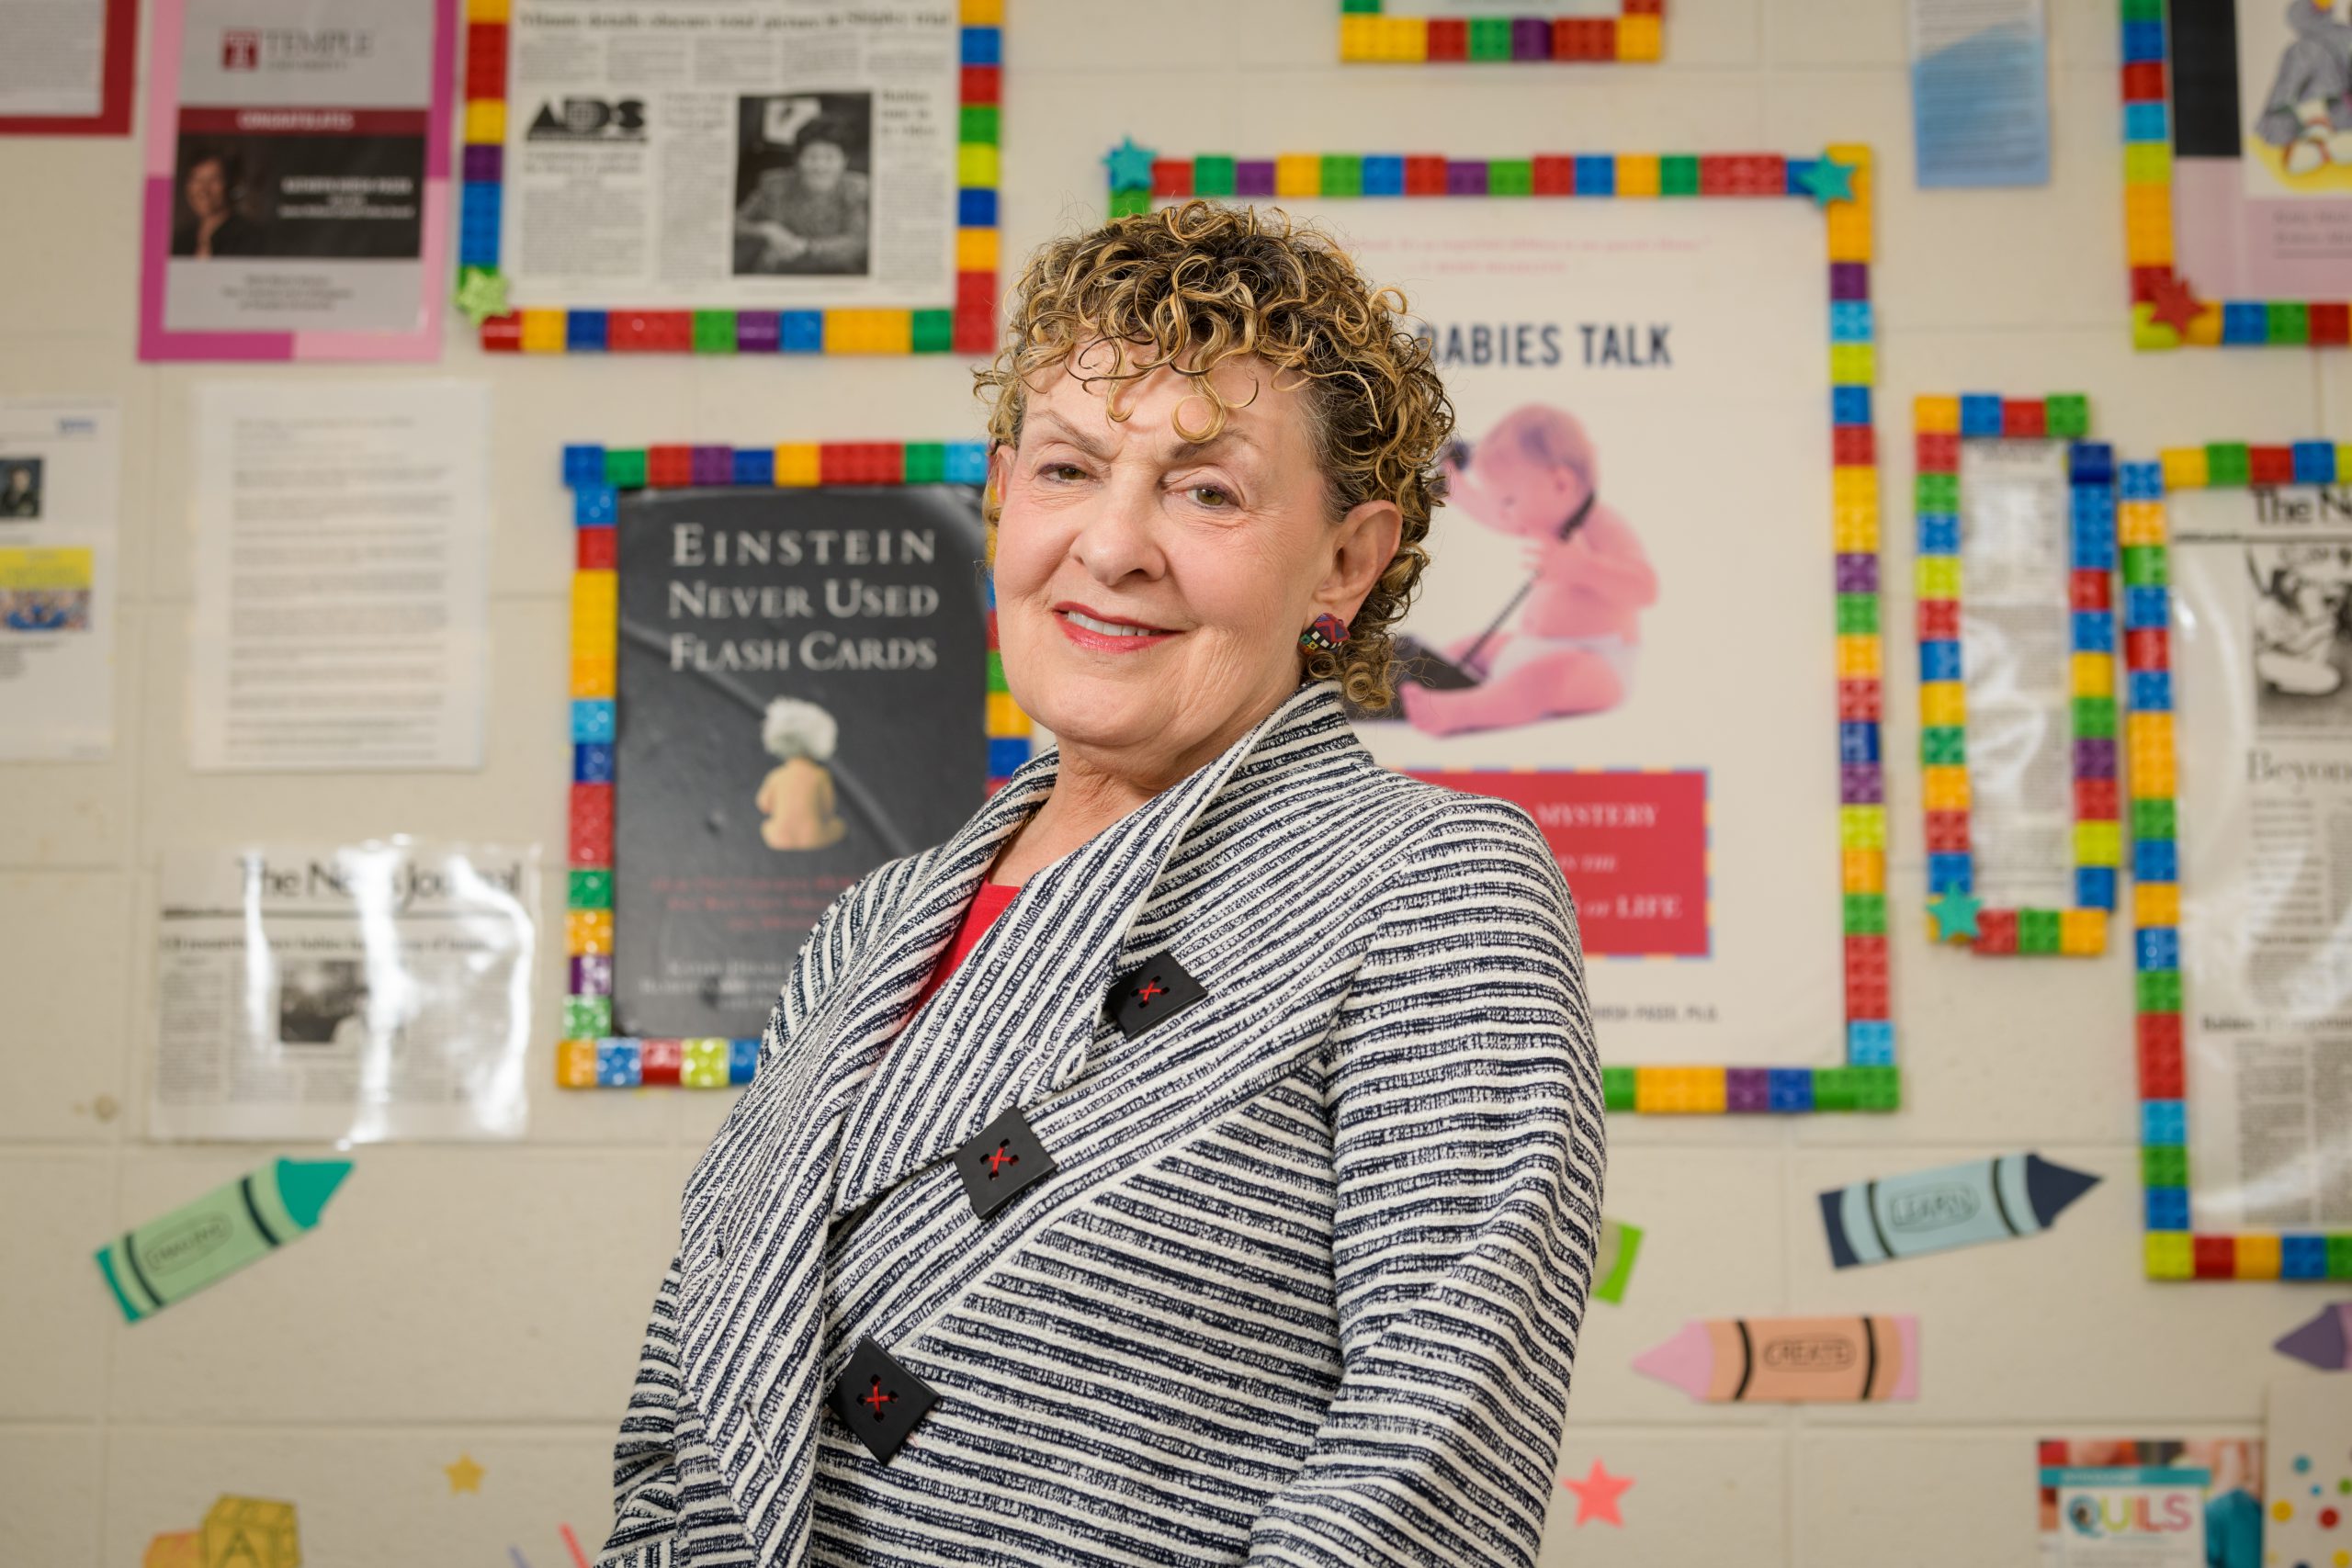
(1876, 1088)
(1834, 1089)
(934, 331)
(1128, 203)
(1678, 175)
(2093, 718)
(1212, 175)
(714, 331)
(1857, 614)
(1342, 174)
(996, 672)
(1617, 1087)
(2159, 990)
(2143, 565)
(2339, 1258)
(624, 468)
(587, 1018)
(2068, 416)
(2153, 819)
(1865, 914)
(926, 462)
(1360, 7)
(2037, 930)
(2135, 10)
(977, 125)
(591, 890)
(2163, 1166)
(2227, 465)
(1490, 37)
(1936, 492)
(1944, 746)
(2288, 322)
(1511, 176)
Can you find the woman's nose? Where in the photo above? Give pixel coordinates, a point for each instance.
(1119, 539)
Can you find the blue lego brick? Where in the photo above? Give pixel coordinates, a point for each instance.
(2146, 122)
(967, 462)
(1869, 1043)
(1788, 1090)
(2149, 691)
(800, 332)
(2090, 463)
(754, 464)
(2314, 463)
(2094, 887)
(2244, 322)
(983, 46)
(2155, 860)
(974, 207)
(2167, 1208)
(2145, 607)
(592, 763)
(1939, 534)
(594, 506)
(1850, 321)
(1939, 661)
(619, 1064)
(2141, 481)
(1850, 405)
(1384, 175)
(1006, 756)
(584, 465)
(1857, 742)
(1952, 870)
(2303, 1257)
(585, 332)
(2158, 947)
(1980, 414)
(2164, 1123)
(742, 1060)
(2094, 631)
(594, 719)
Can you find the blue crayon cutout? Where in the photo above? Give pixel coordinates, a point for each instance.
(1955, 1205)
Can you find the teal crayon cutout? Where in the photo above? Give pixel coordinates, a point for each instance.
(176, 1256)
(1952, 1206)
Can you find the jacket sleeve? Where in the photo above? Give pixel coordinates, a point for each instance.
(646, 1507)
(1465, 1105)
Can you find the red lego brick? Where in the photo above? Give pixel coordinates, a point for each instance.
(1852, 446)
(598, 550)
(486, 60)
(2094, 800)
(2147, 647)
(974, 332)
(2143, 82)
(1425, 175)
(1947, 832)
(1171, 177)
(1858, 699)
(2217, 1257)
(503, 334)
(2025, 418)
(667, 467)
(975, 291)
(1584, 38)
(1996, 930)
(1939, 620)
(659, 1061)
(2270, 465)
(1449, 38)
(983, 84)
(2162, 1074)
(1555, 175)
(2089, 591)
(1866, 957)
(1645, 8)
(2146, 281)
(2331, 325)
(1935, 452)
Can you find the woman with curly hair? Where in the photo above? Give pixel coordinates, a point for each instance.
(1198, 1158)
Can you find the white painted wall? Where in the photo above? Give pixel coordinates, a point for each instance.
(489, 1299)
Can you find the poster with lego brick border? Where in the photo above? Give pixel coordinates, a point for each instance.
(297, 203)
(1623, 625)
(802, 694)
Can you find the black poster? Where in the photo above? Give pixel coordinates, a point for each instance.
(803, 690)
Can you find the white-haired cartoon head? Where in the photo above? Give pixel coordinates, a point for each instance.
(796, 727)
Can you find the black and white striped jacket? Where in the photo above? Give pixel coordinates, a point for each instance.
(1305, 1285)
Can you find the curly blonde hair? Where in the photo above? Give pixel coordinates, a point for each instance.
(1188, 289)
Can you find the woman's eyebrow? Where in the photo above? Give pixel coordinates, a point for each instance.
(1092, 445)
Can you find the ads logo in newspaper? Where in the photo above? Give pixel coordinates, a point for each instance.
(294, 49)
(589, 119)
(240, 49)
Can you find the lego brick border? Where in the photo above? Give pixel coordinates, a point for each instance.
(590, 1055)
(1939, 426)
(1636, 35)
(2174, 1251)
(1839, 181)
(965, 325)
(2166, 309)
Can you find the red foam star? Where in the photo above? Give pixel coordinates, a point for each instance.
(2174, 303)
(1597, 1495)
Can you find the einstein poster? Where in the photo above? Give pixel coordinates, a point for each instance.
(1628, 624)
(802, 688)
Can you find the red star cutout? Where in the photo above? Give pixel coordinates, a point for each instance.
(1597, 1495)
(2175, 303)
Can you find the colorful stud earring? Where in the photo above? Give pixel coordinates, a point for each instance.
(1325, 636)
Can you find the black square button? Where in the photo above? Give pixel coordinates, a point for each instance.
(1157, 990)
(1003, 1159)
(879, 1400)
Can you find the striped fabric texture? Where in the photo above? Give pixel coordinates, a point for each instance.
(1306, 1284)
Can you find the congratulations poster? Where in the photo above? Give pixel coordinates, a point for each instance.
(1628, 625)
(802, 689)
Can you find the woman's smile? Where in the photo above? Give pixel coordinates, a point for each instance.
(1107, 634)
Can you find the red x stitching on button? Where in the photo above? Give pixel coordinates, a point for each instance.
(1001, 1156)
(876, 1398)
(1152, 988)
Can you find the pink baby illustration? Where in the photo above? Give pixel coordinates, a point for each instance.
(1574, 647)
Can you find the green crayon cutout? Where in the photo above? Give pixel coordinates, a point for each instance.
(1612, 1265)
(178, 1255)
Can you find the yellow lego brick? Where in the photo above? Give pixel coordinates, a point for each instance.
(1849, 234)
(702, 1064)
(2082, 933)
(2171, 1256)
(1640, 38)
(486, 10)
(592, 677)
(587, 932)
(983, 13)
(1848, 486)
(978, 250)
(1936, 576)
(2098, 843)
(485, 122)
(1854, 529)
(2147, 162)
(2147, 332)
(795, 464)
(1936, 416)
(1859, 155)
(1858, 656)
(1298, 174)
(2205, 327)
(976, 165)
(869, 331)
(2148, 738)
(2147, 209)
(1409, 39)
(2147, 247)
(1005, 718)
(2343, 462)
(1942, 702)
(2155, 904)
(2094, 674)
(2139, 523)
(1944, 788)
(1679, 1090)
(1359, 38)
(2154, 776)
(1636, 174)
(2185, 467)
(575, 1064)
(1853, 364)
(1861, 827)
(1862, 871)
(2258, 1256)
(543, 332)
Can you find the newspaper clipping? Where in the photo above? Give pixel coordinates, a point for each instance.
(2263, 620)
(780, 153)
(363, 992)
(59, 463)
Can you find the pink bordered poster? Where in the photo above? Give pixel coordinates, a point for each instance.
(296, 195)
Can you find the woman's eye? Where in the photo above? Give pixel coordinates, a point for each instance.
(1063, 473)
(1211, 496)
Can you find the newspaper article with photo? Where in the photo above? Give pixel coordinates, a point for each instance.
(2016, 653)
(777, 153)
(2262, 625)
(60, 461)
(365, 992)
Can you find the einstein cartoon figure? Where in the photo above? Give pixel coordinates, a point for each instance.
(2308, 114)
(797, 794)
(1577, 642)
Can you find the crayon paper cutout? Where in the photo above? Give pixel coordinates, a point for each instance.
(2324, 1342)
(464, 1476)
(1597, 1495)
(249, 1532)
(176, 1256)
(175, 1549)
(1789, 1360)
(572, 1544)
(1612, 1263)
(1952, 1206)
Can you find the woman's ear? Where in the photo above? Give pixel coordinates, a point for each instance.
(1363, 543)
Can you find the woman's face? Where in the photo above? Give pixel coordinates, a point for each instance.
(208, 188)
(1150, 591)
(821, 165)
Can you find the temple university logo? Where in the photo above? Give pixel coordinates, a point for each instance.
(240, 49)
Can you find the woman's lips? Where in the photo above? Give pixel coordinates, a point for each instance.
(1106, 634)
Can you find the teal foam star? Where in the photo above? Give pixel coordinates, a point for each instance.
(1955, 915)
(1827, 180)
(482, 294)
(1130, 165)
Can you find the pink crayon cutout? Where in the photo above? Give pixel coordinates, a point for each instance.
(1789, 1360)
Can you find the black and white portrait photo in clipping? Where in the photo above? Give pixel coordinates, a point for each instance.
(19, 489)
(803, 174)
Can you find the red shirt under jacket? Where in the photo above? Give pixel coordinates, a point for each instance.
(991, 900)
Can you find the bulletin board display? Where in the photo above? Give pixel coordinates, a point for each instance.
(2236, 569)
(2237, 170)
(731, 177)
(784, 673)
(1417, 32)
(96, 101)
(1746, 945)
(2018, 702)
